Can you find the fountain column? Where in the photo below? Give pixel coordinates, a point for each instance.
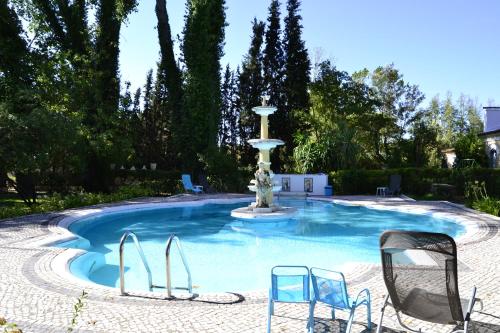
(263, 185)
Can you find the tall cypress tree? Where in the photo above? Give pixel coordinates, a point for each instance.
(170, 82)
(273, 60)
(235, 138)
(251, 88)
(149, 120)
(225, 108)
(297, 68)
(202, 48)
(274, 69)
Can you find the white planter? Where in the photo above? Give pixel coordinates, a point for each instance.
(152, 166)
(112, 166)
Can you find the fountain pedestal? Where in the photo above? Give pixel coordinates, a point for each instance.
(262, 185)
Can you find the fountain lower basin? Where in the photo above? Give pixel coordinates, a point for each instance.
(269, 213)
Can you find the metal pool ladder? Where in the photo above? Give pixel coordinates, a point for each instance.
(189, 287)
(143, 259)
(173, 238)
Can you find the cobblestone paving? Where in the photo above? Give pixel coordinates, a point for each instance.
(39, 299)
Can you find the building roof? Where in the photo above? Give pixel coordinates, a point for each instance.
(497, 131)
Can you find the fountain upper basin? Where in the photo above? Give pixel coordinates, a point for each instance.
(265, 144)
(264, 110)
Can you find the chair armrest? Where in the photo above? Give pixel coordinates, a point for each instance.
(365, 296)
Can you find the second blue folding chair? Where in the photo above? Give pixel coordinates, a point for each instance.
(330, 288)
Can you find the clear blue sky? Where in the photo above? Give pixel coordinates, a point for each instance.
(441, 45)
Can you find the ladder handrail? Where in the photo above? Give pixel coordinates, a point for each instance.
(141, 254)
(184, 261)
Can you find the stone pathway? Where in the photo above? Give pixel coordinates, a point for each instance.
(35, 295)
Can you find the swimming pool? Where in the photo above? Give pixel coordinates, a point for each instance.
(230, 255)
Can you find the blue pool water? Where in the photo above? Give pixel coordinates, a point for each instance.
(227, 254)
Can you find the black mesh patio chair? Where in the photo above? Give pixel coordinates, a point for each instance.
(394, 185)
(420, 273)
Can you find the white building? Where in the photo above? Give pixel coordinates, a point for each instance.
(491, 134)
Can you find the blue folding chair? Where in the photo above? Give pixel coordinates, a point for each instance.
(329, 287)
(289, 284)
(188, 185)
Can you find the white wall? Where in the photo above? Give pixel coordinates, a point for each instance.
(320, 180)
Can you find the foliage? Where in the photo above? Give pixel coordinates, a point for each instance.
(57, 202)
(336, 135)
(9, 327)
(415, 181)
(221, 170)
(470, 146)
(487, 205)
(477, 198)
(77, 310)
(228, 126)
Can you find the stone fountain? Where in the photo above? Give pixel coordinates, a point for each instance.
(262, 185)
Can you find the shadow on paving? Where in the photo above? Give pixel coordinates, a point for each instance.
(323, 325)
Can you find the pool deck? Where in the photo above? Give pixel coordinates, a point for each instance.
(37, 295)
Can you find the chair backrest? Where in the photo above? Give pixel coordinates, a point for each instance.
(329, 287)
(420, 273)
(395, 183)
(290, 284)
(186, 182)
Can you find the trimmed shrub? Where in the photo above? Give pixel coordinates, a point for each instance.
(415, 181)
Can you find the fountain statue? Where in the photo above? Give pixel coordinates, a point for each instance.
(262, 185)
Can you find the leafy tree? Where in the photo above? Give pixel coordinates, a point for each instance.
(77, 70)
(398, 98)
(251, 88)
(470, 146)
(398, 103)
(202, 48)
(339, 107)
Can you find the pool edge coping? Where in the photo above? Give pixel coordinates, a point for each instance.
(59, 232)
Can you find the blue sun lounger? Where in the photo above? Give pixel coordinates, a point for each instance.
(188, 185)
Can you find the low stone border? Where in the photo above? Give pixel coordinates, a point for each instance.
(37, 294)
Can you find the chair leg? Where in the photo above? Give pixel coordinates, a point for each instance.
(270, 312)
(379, 325)
(310, 323)
(351, 319)
(333, 313)
(369, 315)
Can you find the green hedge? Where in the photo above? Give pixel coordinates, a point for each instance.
(57, 202)
(414, 180)
(161, 182)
